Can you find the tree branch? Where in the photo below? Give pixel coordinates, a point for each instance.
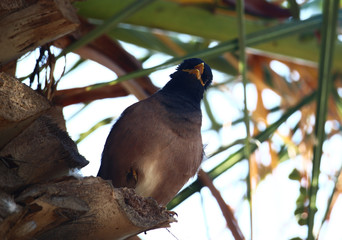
(225, 208)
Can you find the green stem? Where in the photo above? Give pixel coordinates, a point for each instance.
(101, 123)
(243, 70)
(214, 124)
(252, 39)
(330, 16)
(106, 26)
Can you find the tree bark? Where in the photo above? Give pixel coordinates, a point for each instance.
(19, 107)
(30, 24)
(86, 208)
(37, 198)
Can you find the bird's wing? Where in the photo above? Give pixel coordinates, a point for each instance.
(123, 144)
(137, 133)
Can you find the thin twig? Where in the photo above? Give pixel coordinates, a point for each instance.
(225, 208)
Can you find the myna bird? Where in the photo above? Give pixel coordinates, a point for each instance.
(156, 145)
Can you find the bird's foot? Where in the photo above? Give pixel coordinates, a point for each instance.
(171, 213)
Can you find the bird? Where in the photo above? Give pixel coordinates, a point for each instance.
(155, 146)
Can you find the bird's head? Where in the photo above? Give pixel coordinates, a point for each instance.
(196, 69)
(191, 78)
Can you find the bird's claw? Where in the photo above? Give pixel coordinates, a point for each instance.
(171, 213)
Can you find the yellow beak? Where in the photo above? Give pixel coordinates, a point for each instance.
(197, 71)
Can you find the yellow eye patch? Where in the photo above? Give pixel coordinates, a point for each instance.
(197, 71)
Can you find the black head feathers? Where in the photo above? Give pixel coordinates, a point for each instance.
(191, 78)
(192, 64)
